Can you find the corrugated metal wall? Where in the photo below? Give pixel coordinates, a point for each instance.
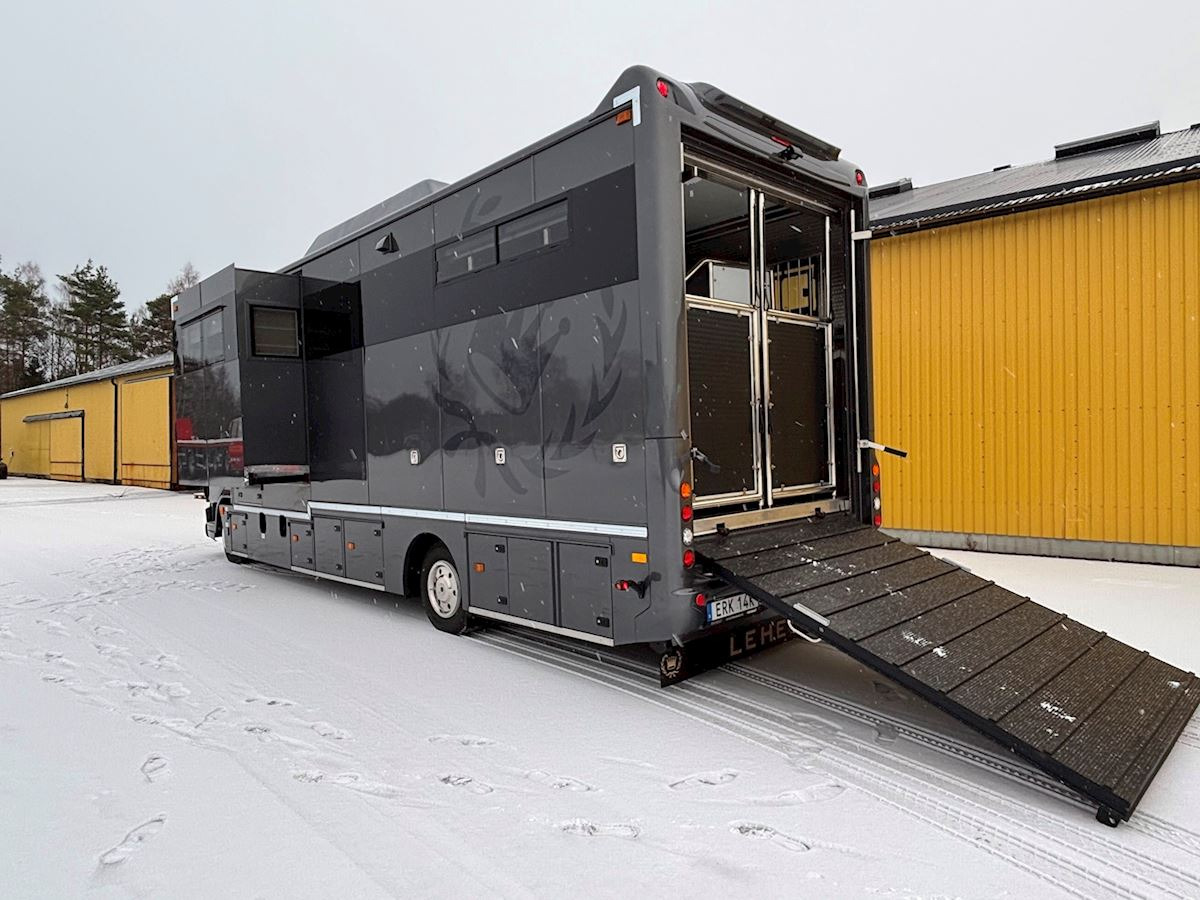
(82, 447)
(1043, 371)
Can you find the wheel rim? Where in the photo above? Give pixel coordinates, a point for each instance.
(441, 589)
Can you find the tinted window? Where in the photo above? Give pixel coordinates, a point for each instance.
(190, 346)
(467, 255)
(530, 233)
(273, 332)
(212, 339)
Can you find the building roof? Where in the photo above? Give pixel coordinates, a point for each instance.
(1123, 160)
(163, 361)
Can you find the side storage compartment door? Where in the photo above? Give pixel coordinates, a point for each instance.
(585, 588)
(487, 567)
(302, 545)
(239, 532)
(330, 546)
(364, 551)
(531, 579)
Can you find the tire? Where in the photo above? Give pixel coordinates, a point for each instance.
(441, 591)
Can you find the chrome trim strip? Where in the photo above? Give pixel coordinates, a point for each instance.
(541, 626)
(634, 531)
(271, 511)
(356, 583)
(440, 515)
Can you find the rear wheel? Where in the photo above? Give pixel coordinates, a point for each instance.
(441, 591)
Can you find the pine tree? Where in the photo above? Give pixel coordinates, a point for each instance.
(23, 309)
(96, 318)
(151, 330)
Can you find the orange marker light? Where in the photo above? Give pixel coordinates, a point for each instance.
(875, 469)
(350, 545)
(685, 490)
(625, 115)
(479, 567)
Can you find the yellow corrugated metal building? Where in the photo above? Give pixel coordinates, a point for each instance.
(113, 425)
(1036, 340)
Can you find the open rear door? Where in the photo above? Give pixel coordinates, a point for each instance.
(1097, 714)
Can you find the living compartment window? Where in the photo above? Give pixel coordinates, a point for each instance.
(202, 342)
(274, 332)
(535, 231)
(527, 234)
(468, 254)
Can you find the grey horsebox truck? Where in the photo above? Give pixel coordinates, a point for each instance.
(617, 386)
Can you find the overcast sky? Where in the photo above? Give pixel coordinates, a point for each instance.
(147, 134)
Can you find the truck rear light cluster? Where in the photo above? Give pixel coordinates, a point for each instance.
(876, 495)
(687, 513)
(701, 599)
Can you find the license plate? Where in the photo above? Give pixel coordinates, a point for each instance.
(727, 607)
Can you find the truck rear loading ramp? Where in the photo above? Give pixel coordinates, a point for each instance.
(1090, 711)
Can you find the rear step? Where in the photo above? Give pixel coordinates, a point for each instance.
(1092, 712)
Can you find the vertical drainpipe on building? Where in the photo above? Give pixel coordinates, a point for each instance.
(116, 425)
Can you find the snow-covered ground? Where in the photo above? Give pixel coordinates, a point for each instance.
(174, 725)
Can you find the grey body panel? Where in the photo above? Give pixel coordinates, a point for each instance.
(330, 545)
(488, 394)
(404, 440)
(488, 588)
(364, 550)
(585, 588)
(573, 361)
(303, 549)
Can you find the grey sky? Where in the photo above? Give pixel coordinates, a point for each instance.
(145, 134)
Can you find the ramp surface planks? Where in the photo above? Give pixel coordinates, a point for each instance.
(1089, 710)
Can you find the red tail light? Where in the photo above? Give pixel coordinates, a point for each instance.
(859, 178)
(701, 600)
(878, 520)
(686, 513)
(663, 87)
(689, 558)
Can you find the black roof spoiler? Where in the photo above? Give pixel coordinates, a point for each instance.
(756, 120)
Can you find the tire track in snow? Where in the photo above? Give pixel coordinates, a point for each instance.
(773, 732)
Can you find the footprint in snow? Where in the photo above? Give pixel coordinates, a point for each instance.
(705, 779)
(767, 833)
(54, 627)
(156, 766)
(6, 633)
(111, 651)
(270, 701)
(467, 782)
(106, 630)
(325, 730)
(355, 782)
(133, 840)
(463, 740)
(163, 661)
(559, 782)
(55, 656)
(584, 828)
(817, 793)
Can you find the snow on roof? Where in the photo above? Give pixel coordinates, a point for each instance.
(1078, 171)
(162, 361)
